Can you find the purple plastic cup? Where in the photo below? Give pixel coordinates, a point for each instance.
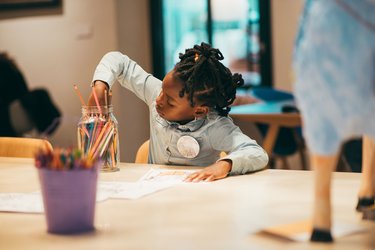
(69, 198)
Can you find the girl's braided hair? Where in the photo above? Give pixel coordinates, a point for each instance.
(206, 79)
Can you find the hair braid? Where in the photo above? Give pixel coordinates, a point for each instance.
(206, 79)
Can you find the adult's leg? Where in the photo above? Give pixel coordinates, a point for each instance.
(367, 189)
(323, 167)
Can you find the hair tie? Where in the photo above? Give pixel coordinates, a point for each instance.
(196, 57)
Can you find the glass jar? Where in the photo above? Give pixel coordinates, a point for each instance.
(97, 134)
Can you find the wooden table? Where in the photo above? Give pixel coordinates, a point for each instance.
(225, 214)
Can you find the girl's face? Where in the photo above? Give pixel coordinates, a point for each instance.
(171, 106)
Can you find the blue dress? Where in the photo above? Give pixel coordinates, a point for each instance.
(334, 66)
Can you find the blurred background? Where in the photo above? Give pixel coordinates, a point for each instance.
(58, 43)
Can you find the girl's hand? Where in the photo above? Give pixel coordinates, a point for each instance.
(100, 89)
(216, 171)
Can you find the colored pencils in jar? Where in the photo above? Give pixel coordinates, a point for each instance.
(97, 133)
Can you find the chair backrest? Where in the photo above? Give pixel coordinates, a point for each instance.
(22, 147)
(142, 153)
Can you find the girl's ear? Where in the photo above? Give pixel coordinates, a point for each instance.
(201, 111)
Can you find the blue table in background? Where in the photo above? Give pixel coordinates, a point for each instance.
(269, 113)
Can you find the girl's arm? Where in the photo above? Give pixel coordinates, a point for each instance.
(117, 66)
(244, 153)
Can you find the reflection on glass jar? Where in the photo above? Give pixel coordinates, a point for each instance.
(98, 135)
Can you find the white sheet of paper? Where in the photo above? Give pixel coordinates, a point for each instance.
(153, 181)
(129, 190)
(21, 202)
(27, 202)
(166, 176)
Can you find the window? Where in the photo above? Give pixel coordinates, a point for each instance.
(239, 28)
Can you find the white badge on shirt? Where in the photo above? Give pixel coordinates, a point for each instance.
(188, 146)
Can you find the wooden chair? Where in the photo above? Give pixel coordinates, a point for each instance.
(142, 153)
(22, 147)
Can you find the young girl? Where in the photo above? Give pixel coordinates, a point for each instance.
(189, 123)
